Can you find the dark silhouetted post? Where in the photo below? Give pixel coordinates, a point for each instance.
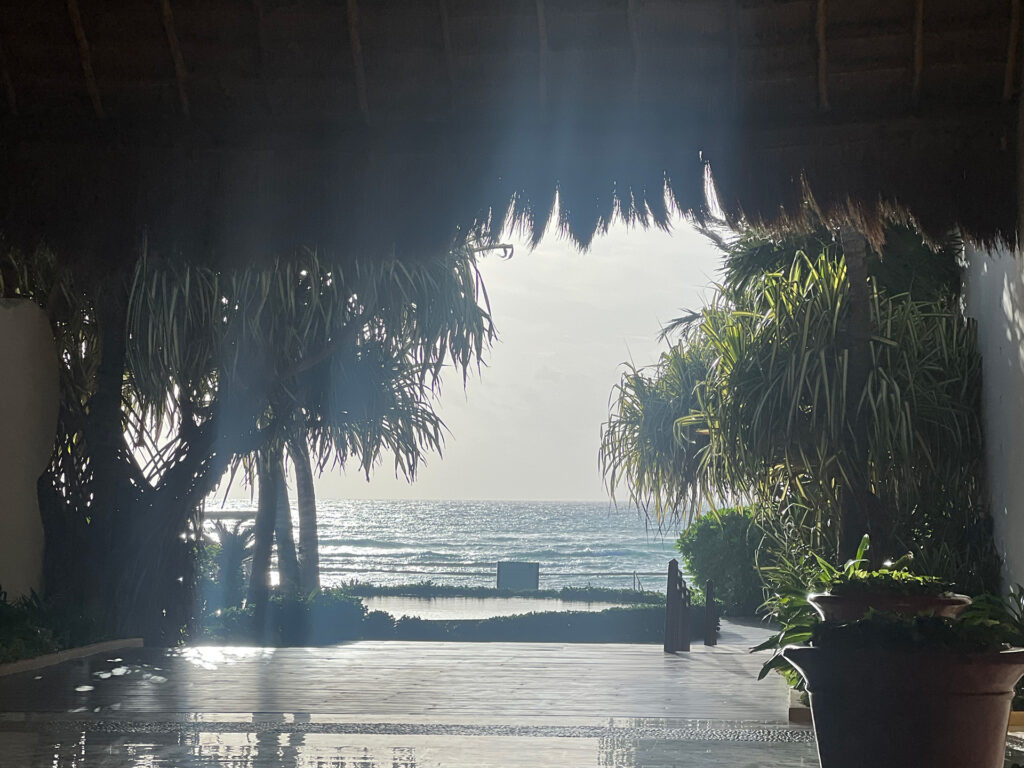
(684, 616)
(677, 611)
(671, 605)
(710, 620)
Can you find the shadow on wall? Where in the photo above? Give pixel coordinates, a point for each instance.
(994, 283)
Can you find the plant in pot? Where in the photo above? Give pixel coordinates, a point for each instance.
(927, 680)
(928, 690)
(854, 590)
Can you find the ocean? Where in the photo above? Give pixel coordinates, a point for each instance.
(460, 542)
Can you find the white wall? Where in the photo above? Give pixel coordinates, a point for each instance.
(994, 285)
(29, 400)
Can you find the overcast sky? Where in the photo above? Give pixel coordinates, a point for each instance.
(527, 427)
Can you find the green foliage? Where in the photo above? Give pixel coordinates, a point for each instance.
(349, 354)
(614, 625)
(21, 634)
(895, 578)
(225, 552)
(333, 617)
(793, 576)
(219, 362)
(723, 548)
(378, 625)
(775, 405)
(568, 594)
(320, 619)
(971, 633)
(887, 581)
(31, 626)
(641, 445)
(769, 420)
(907, 266)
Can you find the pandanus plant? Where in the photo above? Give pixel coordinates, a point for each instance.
(781, 419)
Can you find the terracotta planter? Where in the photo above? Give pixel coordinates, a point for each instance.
(896, 709)
(843, 608)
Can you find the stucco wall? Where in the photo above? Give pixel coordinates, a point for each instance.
(29, 399)
(994, 285)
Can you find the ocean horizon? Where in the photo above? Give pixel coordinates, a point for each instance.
(399, 541)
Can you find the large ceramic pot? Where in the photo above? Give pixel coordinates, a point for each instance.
(843, 608)
(898, 709)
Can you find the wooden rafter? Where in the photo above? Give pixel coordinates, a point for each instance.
(86, 57)
(918, 50)
(1012, 52)
(821, 32)
(542, 52)
(5, 74)
(449, 51)
(357, 58)
(180, 73)
(634, 40)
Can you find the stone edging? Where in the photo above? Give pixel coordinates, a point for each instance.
(70, 654)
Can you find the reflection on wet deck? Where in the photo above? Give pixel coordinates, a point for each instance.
(404, 705)
(618, 748)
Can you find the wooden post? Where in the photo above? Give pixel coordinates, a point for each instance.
(710, 619)
(683, 626)
(672, 606)
(677, 611)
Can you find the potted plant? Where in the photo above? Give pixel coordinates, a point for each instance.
(899, 670)
(927, 690)
(854, 591)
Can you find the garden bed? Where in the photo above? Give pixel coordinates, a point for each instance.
(429, 589)
(68, 654)
(330, 618)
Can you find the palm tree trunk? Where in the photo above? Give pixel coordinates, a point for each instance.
(309, 540)
(266, 512)
(287, 562)
(861, 512)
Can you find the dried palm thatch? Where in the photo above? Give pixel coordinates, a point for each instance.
(233, 129)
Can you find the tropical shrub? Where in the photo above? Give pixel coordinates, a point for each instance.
(638, 624)
(644, 447)
(332, 617)
(31, 626)
(174, 373)
(321, 619)
(225, 552)
(378, 625)
(723, 548)
(567, 594)
(779, 418)
(21, 634)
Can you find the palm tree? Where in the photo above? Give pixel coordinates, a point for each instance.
(776, 406)
(905, 266)
(176, 371)
(640, 445)
(235, 545)
(349, 356)
(305, 493)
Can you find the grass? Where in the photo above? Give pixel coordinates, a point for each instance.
(327, 620)
(429, 589)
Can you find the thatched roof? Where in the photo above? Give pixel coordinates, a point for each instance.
(239, 127)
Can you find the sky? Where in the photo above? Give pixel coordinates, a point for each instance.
(528, 426)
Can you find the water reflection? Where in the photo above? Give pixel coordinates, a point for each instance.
(273, 748)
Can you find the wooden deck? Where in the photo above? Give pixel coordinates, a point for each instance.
(388, 679)
(404, 705)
